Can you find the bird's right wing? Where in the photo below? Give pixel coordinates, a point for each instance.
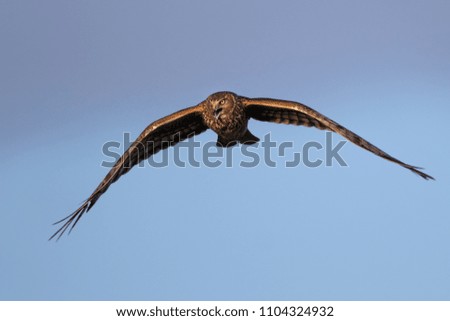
(158, 135)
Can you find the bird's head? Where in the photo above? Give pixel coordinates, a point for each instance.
(221, 103)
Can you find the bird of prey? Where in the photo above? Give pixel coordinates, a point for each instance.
(227, 114)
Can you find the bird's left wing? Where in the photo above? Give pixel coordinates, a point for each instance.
(290, 112)
(159, 135)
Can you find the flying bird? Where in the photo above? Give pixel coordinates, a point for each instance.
(227, 114)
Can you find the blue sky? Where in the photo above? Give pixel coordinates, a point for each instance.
(75, 75)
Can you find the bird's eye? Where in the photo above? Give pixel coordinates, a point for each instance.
(221, 102)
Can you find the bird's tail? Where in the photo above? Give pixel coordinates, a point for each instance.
(248, 138)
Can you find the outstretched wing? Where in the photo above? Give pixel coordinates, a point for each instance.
(159, 135)
(289, 112)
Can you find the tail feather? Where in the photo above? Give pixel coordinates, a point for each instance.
(249, 138)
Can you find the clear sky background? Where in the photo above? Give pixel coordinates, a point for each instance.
(76, 74)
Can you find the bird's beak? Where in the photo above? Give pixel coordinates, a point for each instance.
(217, 111)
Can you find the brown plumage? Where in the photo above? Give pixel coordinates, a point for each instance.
(227, 114)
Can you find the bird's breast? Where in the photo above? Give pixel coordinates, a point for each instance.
(227, 124)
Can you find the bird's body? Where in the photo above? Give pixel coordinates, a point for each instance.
(227, 114)
(224, 113)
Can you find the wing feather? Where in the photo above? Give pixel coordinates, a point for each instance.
(289, 112)
(158, 135)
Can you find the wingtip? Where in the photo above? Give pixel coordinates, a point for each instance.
(70, 221)
(425, 176)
